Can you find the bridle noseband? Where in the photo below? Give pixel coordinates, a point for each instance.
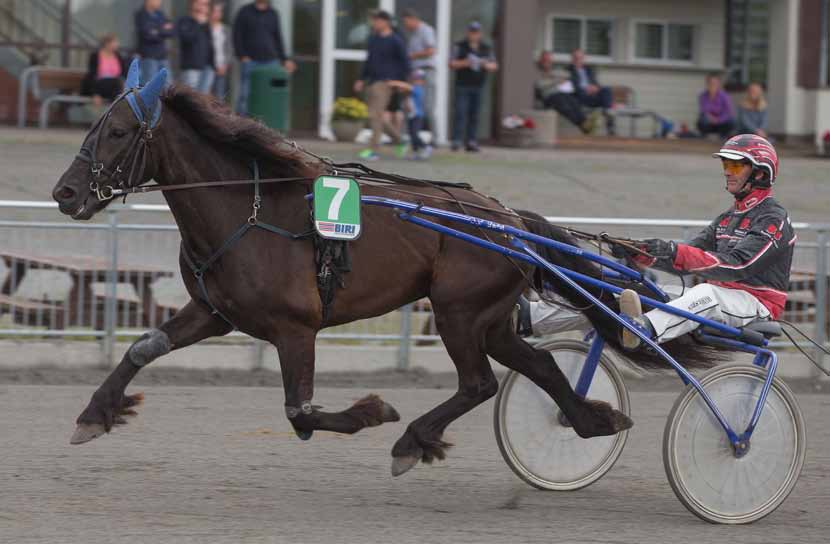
(108, 183)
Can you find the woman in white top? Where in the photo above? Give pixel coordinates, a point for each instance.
(221, 50)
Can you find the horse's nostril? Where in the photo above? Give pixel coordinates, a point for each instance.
(66, 193)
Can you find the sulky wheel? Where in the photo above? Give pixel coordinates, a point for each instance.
(536, 441)
(706, 476)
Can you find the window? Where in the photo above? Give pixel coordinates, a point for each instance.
(747, 42)
(591, 35)
(664, 42)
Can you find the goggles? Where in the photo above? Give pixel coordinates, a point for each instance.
(733, 167)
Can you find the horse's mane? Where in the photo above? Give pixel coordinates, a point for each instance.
(215, 121)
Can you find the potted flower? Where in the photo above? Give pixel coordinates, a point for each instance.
(517, 131)
(348, 118)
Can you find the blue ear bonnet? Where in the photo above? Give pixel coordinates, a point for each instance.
(149, 93)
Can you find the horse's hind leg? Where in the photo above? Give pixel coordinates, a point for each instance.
(589, 418)
(295, 345)
(109, 404)
(463, 337)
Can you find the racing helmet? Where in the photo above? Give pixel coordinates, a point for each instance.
(756, 150)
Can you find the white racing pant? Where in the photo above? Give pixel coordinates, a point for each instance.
(728, 306)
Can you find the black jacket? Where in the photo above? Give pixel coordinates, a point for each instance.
(195, 44)
(386, 59)
(590, 73)
(257, 34)
(150, 34)
(748, 247)
(467, 77)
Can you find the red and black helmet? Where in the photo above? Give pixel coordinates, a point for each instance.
(754, 149)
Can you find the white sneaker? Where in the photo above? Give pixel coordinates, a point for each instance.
(630, 305)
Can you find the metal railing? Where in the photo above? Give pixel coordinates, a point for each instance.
(113, 280)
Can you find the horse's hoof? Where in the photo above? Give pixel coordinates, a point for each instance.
(402, 464)
(304, 435)
(621, 422)
(85, 432)
(389, 414)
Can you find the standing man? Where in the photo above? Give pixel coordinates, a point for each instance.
(386, 61)
(472, 59)
(152, 28)
(196, 47)
(588, 90)
(221, 36)
(257, 40)
(421, 50)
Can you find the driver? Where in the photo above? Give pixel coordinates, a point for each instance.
(744, 255)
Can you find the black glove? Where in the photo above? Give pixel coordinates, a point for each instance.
(619, 251)
(660, 249)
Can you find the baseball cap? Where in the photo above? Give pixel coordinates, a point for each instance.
(474, 26)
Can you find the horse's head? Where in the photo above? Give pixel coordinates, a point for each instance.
(114, 153)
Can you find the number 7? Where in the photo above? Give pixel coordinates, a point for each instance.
(342, 186)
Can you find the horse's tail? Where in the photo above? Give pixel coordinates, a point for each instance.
(684, 349)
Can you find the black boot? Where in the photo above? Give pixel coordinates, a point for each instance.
(521, 317)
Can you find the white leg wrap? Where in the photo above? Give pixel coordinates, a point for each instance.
(149, 347)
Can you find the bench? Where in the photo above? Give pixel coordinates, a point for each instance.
(625, 105)
(49, 85)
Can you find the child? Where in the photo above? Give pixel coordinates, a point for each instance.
(414, 108)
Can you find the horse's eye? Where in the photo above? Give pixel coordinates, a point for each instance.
(118, 133)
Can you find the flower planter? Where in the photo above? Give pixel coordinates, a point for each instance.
(346, 130)
(517, 137)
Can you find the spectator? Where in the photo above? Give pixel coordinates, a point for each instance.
(220, 34)
(257, 40)
(715, 109)
(386, 61)
(555, 91)
(472, 58)
(105, 72)
(420, 47)
(413, 106)
(196, 47)
(588, 90)
(152, 29)
(752, 113)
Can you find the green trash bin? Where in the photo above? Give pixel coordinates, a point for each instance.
(268, 99)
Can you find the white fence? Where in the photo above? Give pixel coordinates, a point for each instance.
(113, 280)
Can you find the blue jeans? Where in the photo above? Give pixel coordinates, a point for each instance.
(415, 124)
(245, 83)
(150, 67)
(220, 87)
(467, 106)
(201, 80)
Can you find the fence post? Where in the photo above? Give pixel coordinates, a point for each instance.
(406, 337)
(821, 293)
(110, 307)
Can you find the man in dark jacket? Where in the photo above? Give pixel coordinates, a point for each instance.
(744, 255)
(588, 90)
(472, 59)
(386, 61)
(196, 47)
(152, 29)
(257, 41)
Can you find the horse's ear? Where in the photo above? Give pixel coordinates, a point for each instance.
(151, 91)
(133, 75)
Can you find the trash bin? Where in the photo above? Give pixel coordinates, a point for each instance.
(268, 98)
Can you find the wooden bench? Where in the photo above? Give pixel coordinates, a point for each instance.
(49, 85)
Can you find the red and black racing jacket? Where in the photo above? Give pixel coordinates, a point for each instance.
(748, 247)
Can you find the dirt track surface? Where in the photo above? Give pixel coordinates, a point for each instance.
(221, 465)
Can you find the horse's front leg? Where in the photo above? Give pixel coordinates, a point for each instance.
(109, 404)
(295, 345)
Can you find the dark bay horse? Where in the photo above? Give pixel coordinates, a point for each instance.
(265, 284)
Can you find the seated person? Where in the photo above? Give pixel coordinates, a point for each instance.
(588, 90)
(105, 72)
(554, 91)
(744, 254)
(752, 113)
(715, 115)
